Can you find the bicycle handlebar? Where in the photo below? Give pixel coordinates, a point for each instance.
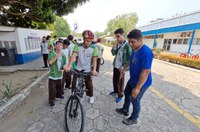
(85, 74)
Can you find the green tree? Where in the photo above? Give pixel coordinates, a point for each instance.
(98, 34)
(61, 28)
(34, 13)
(125, 21)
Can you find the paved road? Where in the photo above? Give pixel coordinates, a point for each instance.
(179, 85)
(156, 115)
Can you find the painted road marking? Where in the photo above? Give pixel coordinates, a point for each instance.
(176, 107)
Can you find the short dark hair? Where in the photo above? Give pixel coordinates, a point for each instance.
(55, 36)
(135, 34)
(99, 40)
(119, 30)
(66, 42)
(58, 42)
(70, 37)
(60, 39)
(48, 37)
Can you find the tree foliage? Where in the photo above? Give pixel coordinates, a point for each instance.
(61, 28)
(125, 21)
(99, 34)
(34, 13)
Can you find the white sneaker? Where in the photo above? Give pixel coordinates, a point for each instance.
(91, 100)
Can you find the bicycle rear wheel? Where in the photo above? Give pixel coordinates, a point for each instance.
(74, 115)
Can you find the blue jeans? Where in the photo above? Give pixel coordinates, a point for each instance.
(135, 101)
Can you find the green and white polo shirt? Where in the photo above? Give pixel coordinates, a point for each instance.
(55, 68)
(85, 56)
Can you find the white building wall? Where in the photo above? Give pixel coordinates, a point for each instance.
(179, 48)
(197, 34)
(194, 18)
(172, 35)
(7, 36)
(29, 39)
(9, 40)
(171, 22)
(195, 49)
(149, 42)
(160, 43)
(190, 18)
(16, 38)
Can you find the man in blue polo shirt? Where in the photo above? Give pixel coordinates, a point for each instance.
(140, 76)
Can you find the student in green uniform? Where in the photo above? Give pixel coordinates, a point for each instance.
(87, 54)
(56, 60)
(122, 52)
(66, 75)
(100, 53)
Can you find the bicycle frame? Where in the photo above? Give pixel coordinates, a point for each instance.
(74, 104)
(80, 84)
(79, 90)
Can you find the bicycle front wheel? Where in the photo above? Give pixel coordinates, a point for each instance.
(74, 115)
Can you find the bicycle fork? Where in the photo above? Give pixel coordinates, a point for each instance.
(73, 112)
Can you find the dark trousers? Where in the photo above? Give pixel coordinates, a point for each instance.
(45, 58)
(88, 83)
(66, 81)
(118, 84)
(135, 101)
(98, 64)
(55, 89)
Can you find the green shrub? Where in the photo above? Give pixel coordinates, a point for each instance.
(154, 49)
(178, 60)
(8, 89)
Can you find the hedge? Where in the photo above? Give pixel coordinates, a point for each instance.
(178, 60)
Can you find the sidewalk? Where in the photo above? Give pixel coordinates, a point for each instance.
(36, 64)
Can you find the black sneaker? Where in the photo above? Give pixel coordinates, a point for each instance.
(122, 111)
(52, 104)
(61, 97)
(113, 93)
(129, 121)
(67, 87)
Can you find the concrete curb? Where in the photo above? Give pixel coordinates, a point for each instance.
(22, 69)
(180, 66)
(18, 99)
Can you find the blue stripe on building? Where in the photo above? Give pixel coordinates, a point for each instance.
(182, 28)
(191, 41)
(23, 58)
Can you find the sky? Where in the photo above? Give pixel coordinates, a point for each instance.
(95, 14)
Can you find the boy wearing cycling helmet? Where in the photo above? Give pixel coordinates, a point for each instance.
(87, 54)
